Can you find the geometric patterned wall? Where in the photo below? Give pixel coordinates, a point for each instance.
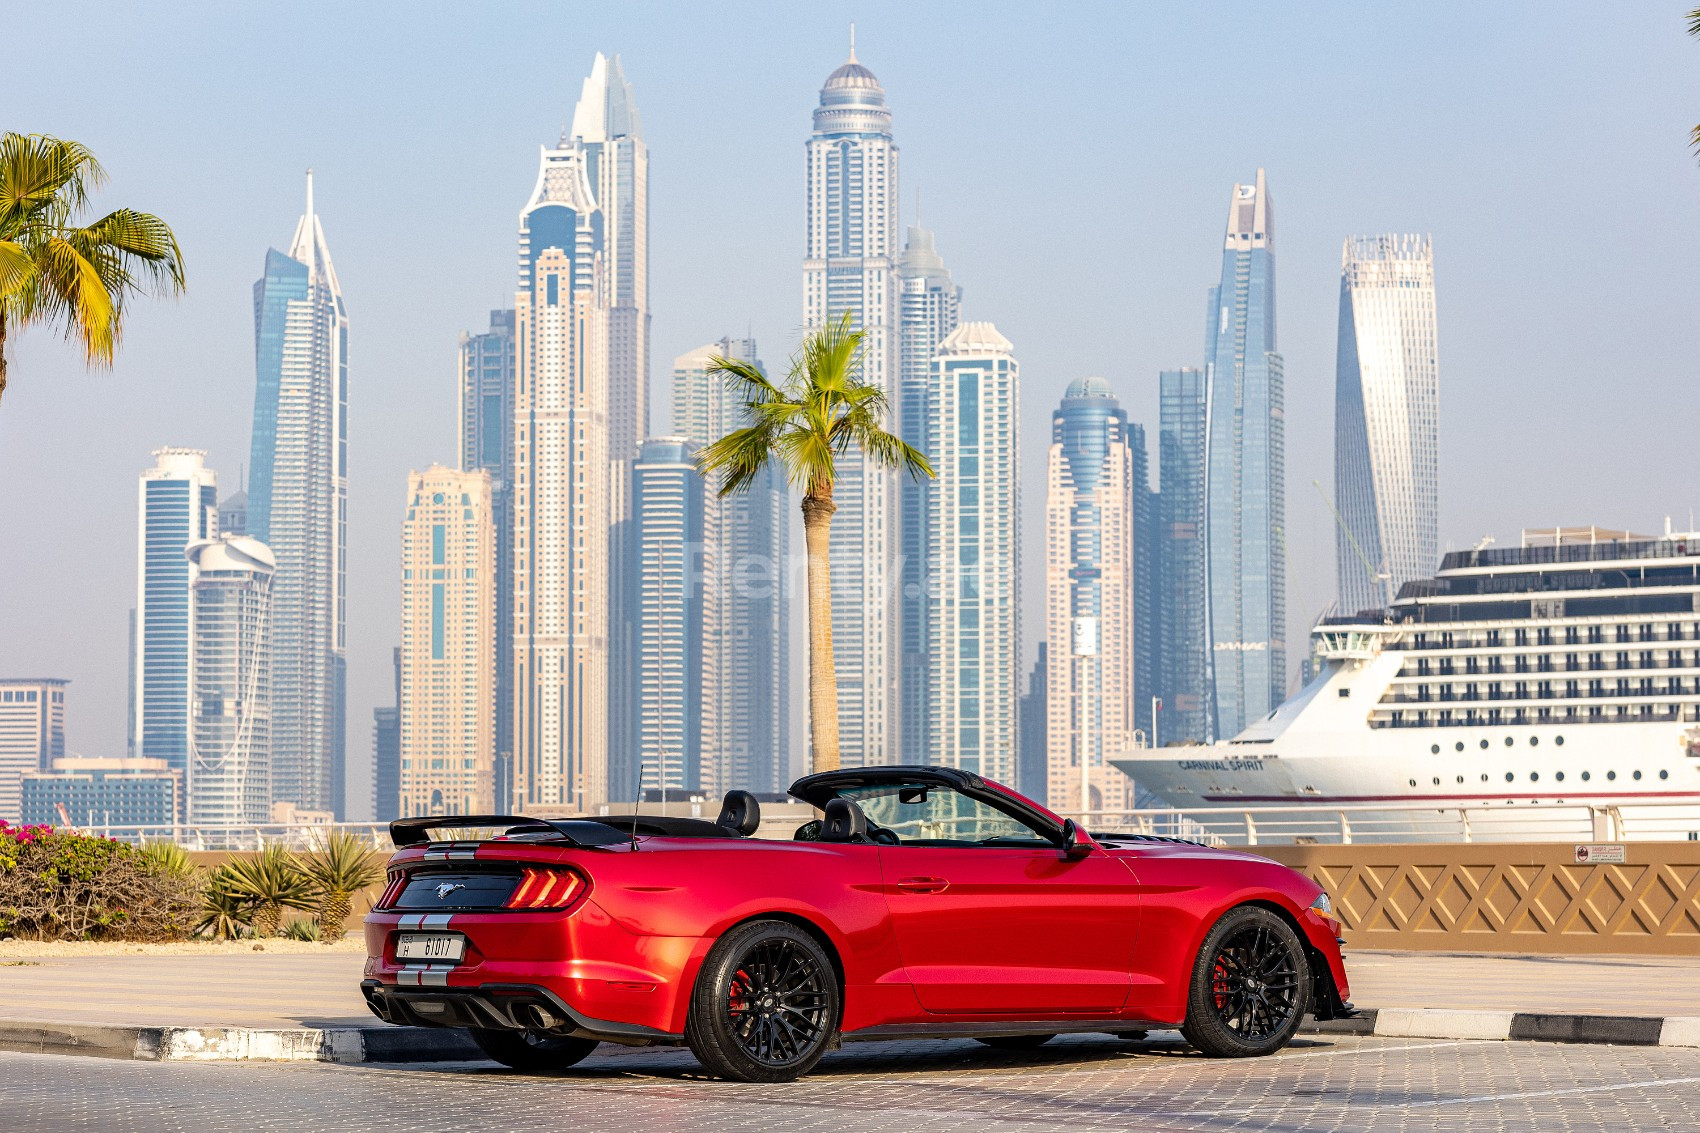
(1482, 897)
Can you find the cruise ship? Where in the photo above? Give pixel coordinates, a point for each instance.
(1563, 671)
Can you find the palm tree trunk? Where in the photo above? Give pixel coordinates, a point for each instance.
(2, 351)
(823, 677)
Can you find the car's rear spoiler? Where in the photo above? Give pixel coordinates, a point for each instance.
(406, 832)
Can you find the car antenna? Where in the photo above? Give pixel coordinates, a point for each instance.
(635, 802)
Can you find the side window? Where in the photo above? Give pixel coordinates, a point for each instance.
(930, 815)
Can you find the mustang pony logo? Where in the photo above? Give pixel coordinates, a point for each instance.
(446, 888)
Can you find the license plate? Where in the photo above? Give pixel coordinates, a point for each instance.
(430, 946)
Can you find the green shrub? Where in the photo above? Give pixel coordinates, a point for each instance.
(59, 885)
(341, 866)
(272, 882)
(225, 913)
(302, 929)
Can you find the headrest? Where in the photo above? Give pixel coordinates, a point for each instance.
(740, 812)
(843, 822)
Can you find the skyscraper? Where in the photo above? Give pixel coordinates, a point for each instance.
(386, 751)
(562, 492)
(177, 505)
(229, 779)
(1183, 680)
(849, 266)
(1089, 569)
(1386, 419)
(973, 537)
(1033, 771)
(298, 506)
(32, 734)
(930, 305)
(746, 602)
(1245, 473)
(609, 131)
(487, 444)
(667, 517)
(448, 648)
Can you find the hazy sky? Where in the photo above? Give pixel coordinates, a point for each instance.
(1075, 161)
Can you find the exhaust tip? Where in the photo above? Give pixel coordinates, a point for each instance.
(538, 1016)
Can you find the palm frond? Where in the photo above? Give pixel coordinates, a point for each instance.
(1694, 22)
(739, 457)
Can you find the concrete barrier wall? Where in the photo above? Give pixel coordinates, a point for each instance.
(1499, 897)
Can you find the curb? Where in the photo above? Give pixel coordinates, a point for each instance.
(207, 1044)
(1514, 1026)
(444, 1044)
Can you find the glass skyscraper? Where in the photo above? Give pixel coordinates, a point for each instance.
(1182, 680)
(487, 445)
(1386, 419)
(1245, 473)
(229, 780)
(667, 517)
(930, 305)
(177, 506)
(849, 265)
(298, 506)
(746, 602)
(973, 540)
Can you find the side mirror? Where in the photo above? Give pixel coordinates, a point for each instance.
(1073, 848)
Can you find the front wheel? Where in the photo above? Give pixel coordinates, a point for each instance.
(765, 1004)
(532, 1052)
(1250, 986)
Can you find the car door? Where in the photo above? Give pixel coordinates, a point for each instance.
(992, 919)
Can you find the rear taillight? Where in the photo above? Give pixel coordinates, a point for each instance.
(546, 889)
(392, 891)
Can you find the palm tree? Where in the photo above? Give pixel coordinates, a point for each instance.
(821, 412)
(338, 869)
(75, 277)
(270, 882)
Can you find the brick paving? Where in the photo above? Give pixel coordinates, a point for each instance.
(1347, 1085)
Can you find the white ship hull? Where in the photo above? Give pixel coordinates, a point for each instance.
(1318, 750)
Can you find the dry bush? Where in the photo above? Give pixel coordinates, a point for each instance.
(57, 885)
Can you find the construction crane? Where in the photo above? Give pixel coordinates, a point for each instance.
(1377, 576)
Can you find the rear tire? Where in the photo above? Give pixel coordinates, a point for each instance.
(765, 1006)
(531, 1052)
(1015, 1042)
(1250, 986)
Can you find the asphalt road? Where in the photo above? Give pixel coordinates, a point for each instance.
(1084, 1083)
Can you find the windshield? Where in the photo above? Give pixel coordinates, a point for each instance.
(926, 814)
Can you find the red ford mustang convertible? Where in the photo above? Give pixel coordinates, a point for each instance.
(925, 902)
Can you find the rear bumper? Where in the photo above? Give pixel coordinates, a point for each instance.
(512, 1007)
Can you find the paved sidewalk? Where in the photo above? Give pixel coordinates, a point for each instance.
(307, 989)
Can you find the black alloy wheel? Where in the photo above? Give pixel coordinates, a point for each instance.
(532, 1052)
(1015, 1042)
(1250, 986)
(765, 1004)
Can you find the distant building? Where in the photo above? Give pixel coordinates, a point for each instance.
(565, 478)
(1031, 779)
(229, 779)
(448, 648)
(1386, 420)
(95, 792)
(233, 514)
(1245, 479)
(386, 752)
(32, 733)
(929, 307)
(667, 516)
(487, 442)
(1183, 678)
(1089, 593)
(177, 505)
(298, 506)
(973, 541)
(849, 267)
(746, 727)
